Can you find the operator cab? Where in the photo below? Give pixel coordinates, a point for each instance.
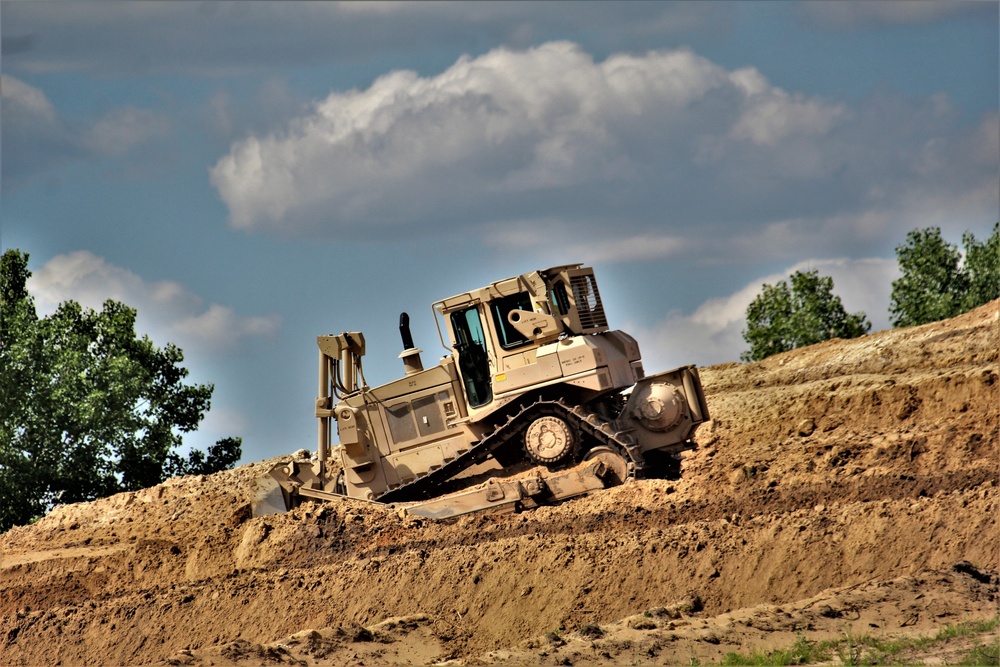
(496, 331)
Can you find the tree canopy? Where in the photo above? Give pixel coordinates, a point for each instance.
(88, 408)
(982, 269)
(936, 283)
(784, 317)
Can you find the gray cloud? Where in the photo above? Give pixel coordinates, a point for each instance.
(829, 15)
(663, 148)
(37, 139)
(215, 38)
(117, 132)
(32, 133)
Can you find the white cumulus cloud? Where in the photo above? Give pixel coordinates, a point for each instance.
(167, 311)
(495, 132)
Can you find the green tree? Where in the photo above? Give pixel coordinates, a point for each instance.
(937, 283)
(932, 284)
(982, 269)
(88, 408)
(784, 317)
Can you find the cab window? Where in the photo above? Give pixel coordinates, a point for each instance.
(559, 299)
(508, 335)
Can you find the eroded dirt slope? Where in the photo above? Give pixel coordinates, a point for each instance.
(835, 490)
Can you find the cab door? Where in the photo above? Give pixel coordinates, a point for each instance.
(473, 355)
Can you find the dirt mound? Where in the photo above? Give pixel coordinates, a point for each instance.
(830, 498)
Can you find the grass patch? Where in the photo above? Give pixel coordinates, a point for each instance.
(967, 628)
(802, 652)
(854, 651)
(983, 655)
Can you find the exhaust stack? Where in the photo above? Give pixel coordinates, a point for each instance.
(410, 354)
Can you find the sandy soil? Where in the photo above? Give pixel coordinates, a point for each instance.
(843, 493)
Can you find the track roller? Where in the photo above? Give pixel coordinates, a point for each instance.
(614, 462)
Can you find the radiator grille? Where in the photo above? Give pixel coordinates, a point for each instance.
(588, 302)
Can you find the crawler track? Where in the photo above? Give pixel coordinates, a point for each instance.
(586, 421)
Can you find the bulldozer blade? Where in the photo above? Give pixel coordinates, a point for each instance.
(508, 496)
(269, 497)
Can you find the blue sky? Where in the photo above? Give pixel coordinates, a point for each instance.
(251, 175)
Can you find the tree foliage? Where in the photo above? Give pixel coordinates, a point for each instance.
(936, 283)
(88, 408)
(982, 269)
(932, 283)
(783, 317)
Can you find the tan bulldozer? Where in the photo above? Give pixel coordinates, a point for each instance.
(536, 395)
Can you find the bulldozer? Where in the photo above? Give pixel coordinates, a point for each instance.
(536, 394)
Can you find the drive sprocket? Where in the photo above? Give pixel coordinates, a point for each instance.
(549, 439)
